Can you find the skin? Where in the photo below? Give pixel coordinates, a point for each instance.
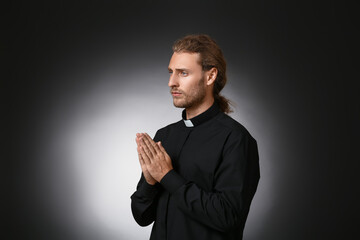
(155, 162)
(192, 89)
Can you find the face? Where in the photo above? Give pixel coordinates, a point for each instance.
(187, 81)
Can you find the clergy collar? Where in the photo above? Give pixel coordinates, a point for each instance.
(203, 117)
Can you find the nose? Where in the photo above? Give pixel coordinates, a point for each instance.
(173, 81)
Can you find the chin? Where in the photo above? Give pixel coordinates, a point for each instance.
(179, 104)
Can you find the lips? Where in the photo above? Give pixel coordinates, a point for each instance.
(175, 93)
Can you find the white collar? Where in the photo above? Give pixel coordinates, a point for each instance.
(188, 123)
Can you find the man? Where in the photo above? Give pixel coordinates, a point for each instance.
(200, 174)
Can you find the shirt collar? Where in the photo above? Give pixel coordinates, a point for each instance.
(203, 117)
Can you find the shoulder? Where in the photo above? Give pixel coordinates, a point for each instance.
(236, 129)
(175, 125)
(239, 139)
(164, 131)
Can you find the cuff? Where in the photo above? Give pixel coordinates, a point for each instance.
(148, 190)
(172, 181)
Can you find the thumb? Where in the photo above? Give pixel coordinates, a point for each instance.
(162, 149)
(160, 146)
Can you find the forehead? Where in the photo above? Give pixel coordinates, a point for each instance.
(185, 60)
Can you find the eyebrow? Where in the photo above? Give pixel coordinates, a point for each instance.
(179, 69)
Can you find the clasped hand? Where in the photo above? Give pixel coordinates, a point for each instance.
(154, 160)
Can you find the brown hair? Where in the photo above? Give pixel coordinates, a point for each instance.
(210, 56)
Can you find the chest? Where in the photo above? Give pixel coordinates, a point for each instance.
(197, 154)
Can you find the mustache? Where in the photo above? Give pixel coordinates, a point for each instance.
(176, 90)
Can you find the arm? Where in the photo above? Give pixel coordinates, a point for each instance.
(144, 200)
(236, 179)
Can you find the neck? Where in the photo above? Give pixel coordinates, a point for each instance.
(197, 110)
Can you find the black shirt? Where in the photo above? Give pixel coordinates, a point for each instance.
(208, 193)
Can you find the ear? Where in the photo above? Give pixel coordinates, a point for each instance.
(211, 76)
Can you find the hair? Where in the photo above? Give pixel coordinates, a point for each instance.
(210, 56)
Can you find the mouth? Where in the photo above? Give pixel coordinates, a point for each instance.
(175, 93)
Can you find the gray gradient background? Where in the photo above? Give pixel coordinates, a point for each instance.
(82, 79)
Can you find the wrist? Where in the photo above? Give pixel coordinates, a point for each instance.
(151, 182)
(172, 181)
(166, 172)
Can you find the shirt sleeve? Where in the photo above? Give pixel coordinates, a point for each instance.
(236, 179)
(144, 200)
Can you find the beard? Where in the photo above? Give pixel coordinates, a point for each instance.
(194, 97)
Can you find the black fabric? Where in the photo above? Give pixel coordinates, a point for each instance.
(208, 193)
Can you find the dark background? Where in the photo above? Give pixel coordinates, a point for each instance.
(299, 61)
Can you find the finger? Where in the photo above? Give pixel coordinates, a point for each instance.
(141, 141)
(138, 141)
(142, 163)
(141, 160)
(162, 149)
(145, 149)
(139, 154)
(145, 135)
(138, 136)
(153, 144)
(149, 144)
(144, 156)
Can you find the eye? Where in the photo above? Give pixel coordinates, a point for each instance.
(170, 72)
(183, 73)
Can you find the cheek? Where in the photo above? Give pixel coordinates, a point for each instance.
(193, 82)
